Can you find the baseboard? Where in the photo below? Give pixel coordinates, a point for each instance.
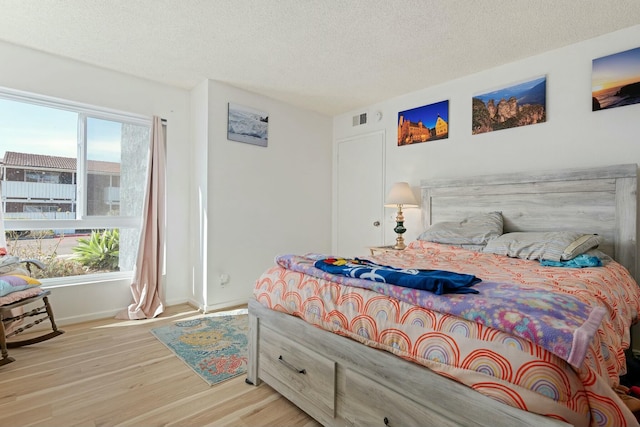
(110, 314)
(106, 314)
(71, 320)
(240, 302)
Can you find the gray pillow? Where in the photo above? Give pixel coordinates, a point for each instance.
(472, 248)
(474, 230)
(549, 245)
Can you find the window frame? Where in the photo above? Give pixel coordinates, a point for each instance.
(82, 221)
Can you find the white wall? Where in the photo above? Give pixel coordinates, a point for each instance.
(573, 135)
(36, 72)
(258, 202)
(198, 226)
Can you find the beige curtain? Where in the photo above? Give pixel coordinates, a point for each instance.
(146, 287)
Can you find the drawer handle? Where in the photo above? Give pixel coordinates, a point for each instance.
(290, 366)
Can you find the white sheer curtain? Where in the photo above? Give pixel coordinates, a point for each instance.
(4, 257)
(3, 239)
(146, 287)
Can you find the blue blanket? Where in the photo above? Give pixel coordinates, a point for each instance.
(436, 281)
(581, 261)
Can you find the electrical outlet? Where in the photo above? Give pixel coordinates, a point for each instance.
(224, 279)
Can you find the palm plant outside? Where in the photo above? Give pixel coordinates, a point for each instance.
(100, 251)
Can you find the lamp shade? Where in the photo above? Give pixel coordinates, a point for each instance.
(401, 194)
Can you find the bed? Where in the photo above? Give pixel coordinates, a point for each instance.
(510, 380)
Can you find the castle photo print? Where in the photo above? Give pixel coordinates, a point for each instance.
(422, 124)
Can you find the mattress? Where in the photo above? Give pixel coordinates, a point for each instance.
(527, 366)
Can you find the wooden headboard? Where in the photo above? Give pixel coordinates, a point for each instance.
(599, 200)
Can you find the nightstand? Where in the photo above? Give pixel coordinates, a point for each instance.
(379, 250)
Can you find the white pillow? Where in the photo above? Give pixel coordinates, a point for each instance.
(549, 245)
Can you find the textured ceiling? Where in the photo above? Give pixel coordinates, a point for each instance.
(330, 56)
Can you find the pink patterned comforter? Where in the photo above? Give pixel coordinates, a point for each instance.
(506, 367)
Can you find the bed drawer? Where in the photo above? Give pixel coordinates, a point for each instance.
(303, 376)
(368, 403)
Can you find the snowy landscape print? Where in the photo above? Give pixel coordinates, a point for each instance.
(247, 125)
(615, 80)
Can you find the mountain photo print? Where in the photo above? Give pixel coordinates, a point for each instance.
(512, 106)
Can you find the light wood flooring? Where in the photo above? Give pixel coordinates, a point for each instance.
(116, 373)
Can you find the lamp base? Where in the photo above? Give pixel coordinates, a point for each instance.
(399, 243)
(399, 229)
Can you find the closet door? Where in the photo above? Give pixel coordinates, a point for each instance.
(360, 194)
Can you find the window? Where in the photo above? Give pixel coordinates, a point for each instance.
(71, 174)
(42, 176)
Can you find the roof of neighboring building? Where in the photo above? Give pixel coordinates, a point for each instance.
(28, 160)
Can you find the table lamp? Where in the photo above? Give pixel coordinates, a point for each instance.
(400, 195)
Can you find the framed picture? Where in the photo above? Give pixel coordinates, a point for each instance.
(615, 80)
(426, 123)
(511, 106)
(247, 125)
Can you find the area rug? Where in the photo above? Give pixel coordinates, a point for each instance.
(215, 346)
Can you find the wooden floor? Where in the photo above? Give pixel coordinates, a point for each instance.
(116, 373)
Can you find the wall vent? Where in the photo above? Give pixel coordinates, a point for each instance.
(360, 119)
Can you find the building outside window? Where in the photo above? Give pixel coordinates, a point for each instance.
(70, 172)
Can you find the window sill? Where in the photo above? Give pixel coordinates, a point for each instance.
(60, 282)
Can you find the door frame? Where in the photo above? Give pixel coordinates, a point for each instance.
(334, 188)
